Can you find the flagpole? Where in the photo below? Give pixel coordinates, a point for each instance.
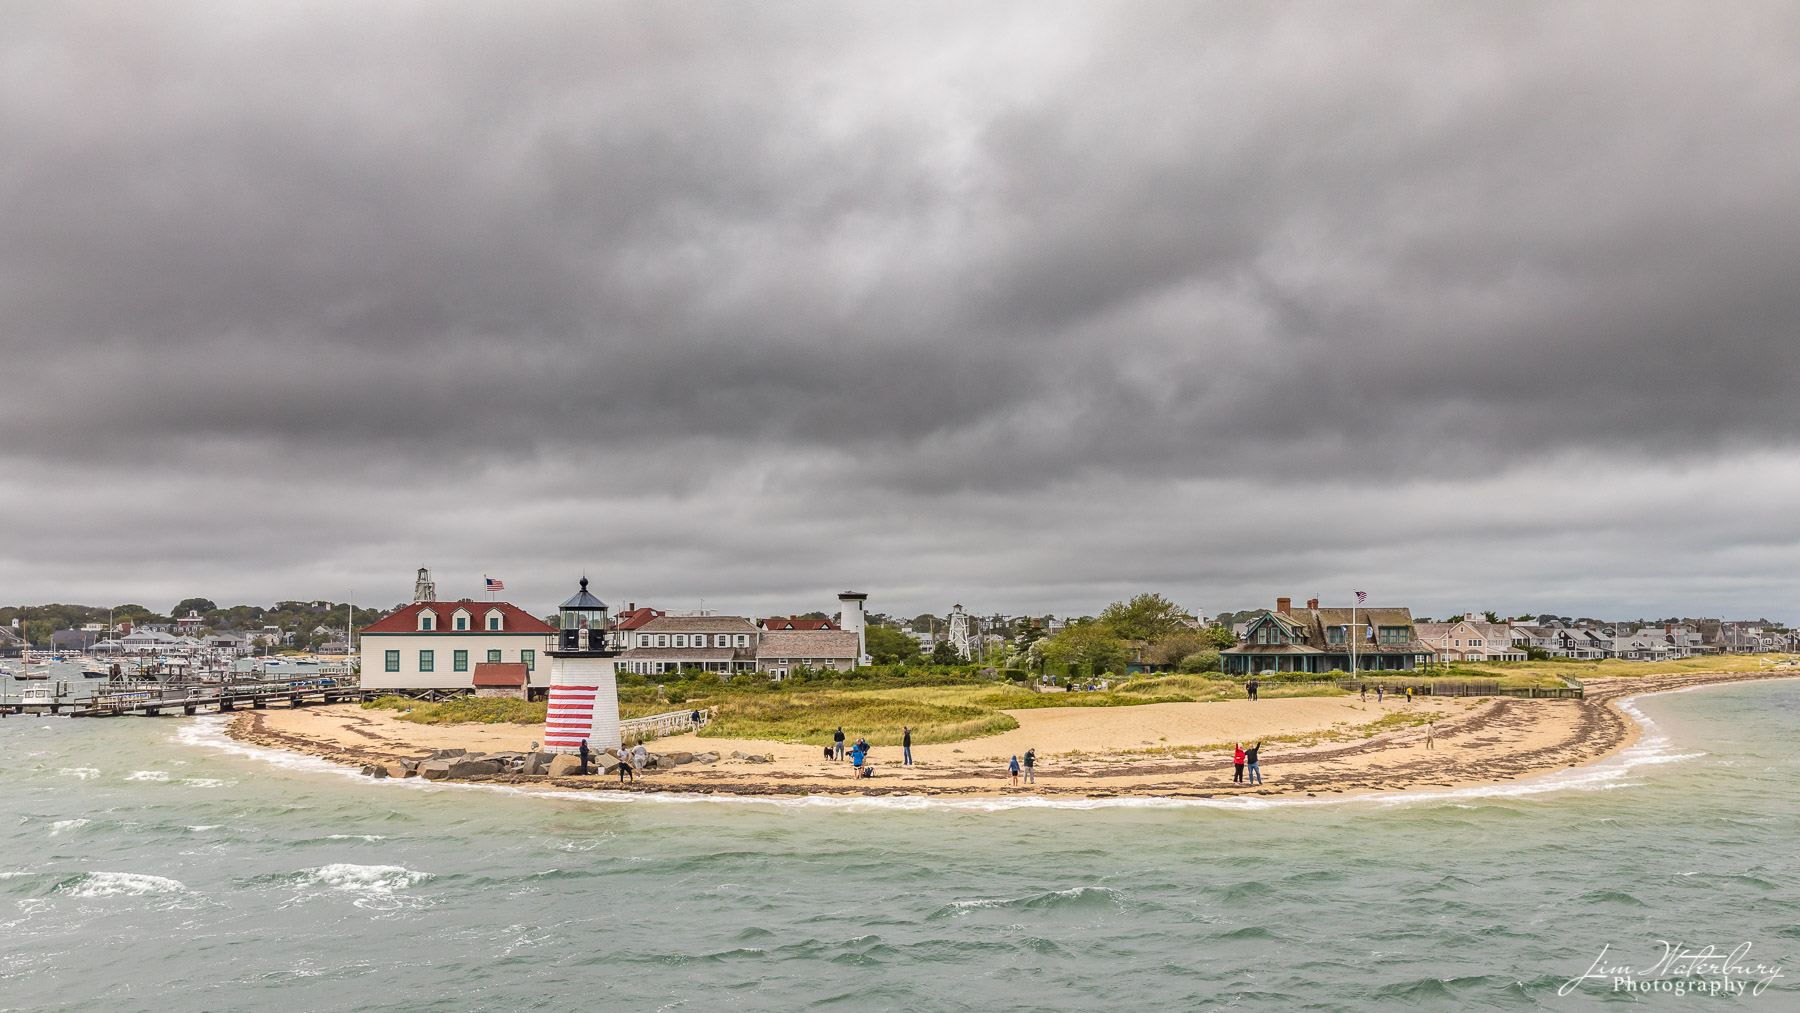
(1353, 638)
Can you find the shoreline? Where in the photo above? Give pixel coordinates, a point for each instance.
(1478, 743)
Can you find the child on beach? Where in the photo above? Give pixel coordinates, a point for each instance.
(1015, 770)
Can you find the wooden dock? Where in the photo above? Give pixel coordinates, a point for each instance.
(158, 700)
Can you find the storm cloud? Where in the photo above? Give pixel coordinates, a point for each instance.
(1021, 305)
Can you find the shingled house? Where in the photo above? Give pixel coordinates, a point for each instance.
(1315, 639)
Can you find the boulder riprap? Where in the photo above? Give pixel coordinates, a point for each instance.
(434, 770)
(447, 754)
(752, 757)
(465, 766)
(562, 765)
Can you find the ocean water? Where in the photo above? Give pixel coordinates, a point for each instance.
(152, 864)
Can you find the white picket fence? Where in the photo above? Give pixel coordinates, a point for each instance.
(672, 723)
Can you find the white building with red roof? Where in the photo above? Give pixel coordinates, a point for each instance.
(438, 644)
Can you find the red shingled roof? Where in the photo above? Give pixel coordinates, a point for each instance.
(406, 620)
(500, 673)
(634, 618)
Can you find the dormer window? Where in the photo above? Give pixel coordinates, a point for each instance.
(495, 620)
(461, 618)
(427, 621)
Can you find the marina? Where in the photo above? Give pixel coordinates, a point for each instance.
(79, 687)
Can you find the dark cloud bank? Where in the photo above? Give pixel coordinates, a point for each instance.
(1027, 306)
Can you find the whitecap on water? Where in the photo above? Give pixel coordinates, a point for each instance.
(61, 825)
(373, 886)
(206, 782)
(147, 775)
(82, 772)
(371, 838)
(117, 884)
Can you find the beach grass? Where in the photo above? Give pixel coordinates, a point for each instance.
(461, 710)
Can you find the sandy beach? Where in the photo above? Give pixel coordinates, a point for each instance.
(1312, 745)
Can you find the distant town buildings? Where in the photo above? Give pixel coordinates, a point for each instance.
(1471, 639)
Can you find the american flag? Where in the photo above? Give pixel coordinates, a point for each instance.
(500, 585)
(1362, 597)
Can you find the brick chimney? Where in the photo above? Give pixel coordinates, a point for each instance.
(1285, 606)
(1312, 603)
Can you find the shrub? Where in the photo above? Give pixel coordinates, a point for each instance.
(1200, 661)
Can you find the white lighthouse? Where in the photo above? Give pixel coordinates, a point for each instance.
(584, 689)
(851, 619)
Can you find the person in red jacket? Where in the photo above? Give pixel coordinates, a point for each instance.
(1237, 761)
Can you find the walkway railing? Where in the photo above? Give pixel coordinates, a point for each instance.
(656, 725)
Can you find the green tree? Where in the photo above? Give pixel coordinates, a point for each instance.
(1219, 637)
(1176, 646)
(1492, 617)
(1144, 617)
(1090, 645)
(888, 646)
(37, 631)
(945, 654)
(200, 605)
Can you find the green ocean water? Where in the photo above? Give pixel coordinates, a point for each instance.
(154, 865)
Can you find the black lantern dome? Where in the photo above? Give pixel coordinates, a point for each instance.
(580, 615)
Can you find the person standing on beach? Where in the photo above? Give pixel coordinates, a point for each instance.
(625, 768)
(1409, 694)
(1251, 686)
(906, 747)
(584, 757)
(1378, 688)
(1237, 762)
(1429, 725)
(1365, 692)
(640, 757)
(1014, 767)
(837, 744)
(1250, 758)
(1030, 766)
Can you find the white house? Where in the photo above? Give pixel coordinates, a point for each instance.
(437, 644)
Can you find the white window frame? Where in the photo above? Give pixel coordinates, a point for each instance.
(496, 620)
(662, 640)
(427, 621)
(743, 640)
(643, 641)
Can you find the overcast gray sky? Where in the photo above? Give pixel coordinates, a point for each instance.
(1025, 306)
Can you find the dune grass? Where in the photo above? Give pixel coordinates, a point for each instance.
(466, 709)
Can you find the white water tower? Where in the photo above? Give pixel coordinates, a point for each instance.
(852, 619)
